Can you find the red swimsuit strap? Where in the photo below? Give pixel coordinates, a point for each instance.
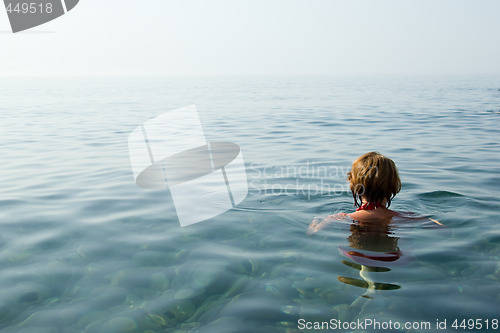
(370, 206)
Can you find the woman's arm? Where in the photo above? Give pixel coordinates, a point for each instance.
(319, 223)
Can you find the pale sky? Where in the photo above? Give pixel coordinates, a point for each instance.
(166, 37)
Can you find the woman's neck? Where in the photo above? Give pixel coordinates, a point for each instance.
(382, 203)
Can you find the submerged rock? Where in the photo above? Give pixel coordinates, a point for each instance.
(118, 325)
(30, 297)
(241, 284)
(153, 258)
(257, 306)
(173, 313)
(159, 281)
(29, 293)
(186, 293)
(131, 279)
(315, 310)
(246, 266)
(227, 325)
(107, 297)
(209, 310)
(290, 256)
(281, 286)
(283, 270)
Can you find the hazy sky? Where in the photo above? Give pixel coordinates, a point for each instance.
(103, 37)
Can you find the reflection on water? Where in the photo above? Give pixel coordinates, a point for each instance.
(378, 248)
(373, 248)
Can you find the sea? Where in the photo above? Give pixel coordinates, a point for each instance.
(84, 249)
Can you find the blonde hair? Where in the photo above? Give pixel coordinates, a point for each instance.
(375, 178)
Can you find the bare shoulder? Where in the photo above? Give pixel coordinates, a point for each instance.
(377, 214)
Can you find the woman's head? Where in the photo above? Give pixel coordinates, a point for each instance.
(373, 177)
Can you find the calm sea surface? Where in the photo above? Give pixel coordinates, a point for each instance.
(83, 249)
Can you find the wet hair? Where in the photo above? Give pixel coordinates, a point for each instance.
(374, 177)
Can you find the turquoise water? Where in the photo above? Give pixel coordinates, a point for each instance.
(83, 249)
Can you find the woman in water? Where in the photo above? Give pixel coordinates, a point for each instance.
(373, 247)
(374, 181)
